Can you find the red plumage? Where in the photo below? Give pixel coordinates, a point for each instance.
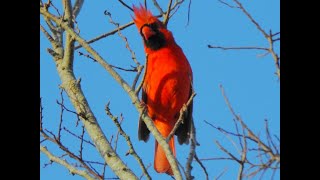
(167, 84)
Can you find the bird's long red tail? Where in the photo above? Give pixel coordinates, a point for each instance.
(161, 163)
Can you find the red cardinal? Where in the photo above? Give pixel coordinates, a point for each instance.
(166, 87)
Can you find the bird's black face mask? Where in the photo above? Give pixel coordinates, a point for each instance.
(155, 41)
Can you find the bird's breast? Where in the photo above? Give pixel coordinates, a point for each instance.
(167, 84)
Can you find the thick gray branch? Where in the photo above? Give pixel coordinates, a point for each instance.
(72, 88)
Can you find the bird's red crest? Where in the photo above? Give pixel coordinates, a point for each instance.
(142, 16)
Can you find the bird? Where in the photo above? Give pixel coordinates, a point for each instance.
(166, 87)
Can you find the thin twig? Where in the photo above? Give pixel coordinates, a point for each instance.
(122, 133)
(269, 138)
(54, 7)
(251, 18)
(72, 169)
(215, 158)
(269, 36)
(238, 48)
(70, 154)
(93, 169)
(81, 142)
(175, 7)
(220, 175)
(64, 107)
(41, 115)
(166, 17)
(227, 4)
(87, 55)
(104, 170)
(183, 110)
(106, 34)
(117, 135)
(189, 9)
(134, 69)
(124, 38)
(233, 143)
(228, 132)
(136, 78)
(61, 114)
(237, 129)
(227, 152)
(277, 39)
(202, 166)
(158, 7)
(145, 4)
(126, 5)
(250, 133)
(277, 138)
(149, 165)
(275, 56)
(275, 34)
(143, 77)
(81, 138)
(243, 155)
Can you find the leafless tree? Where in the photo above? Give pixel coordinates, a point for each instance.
(62, 32)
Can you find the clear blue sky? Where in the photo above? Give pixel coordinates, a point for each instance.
(249, 80)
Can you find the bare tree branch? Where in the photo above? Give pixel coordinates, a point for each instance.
(134, 69)
(269, 37)
(77, 7)
(61, 114)
(158, 7)
(78, 137)
(143, 78)
(166, 17)
(49, 37)
(202, 166)
(69, 42)
(192, 153)
(183, 110)
(68, 152)
(72, 169)
(228, 132)
(136, 78)
(251, 18)
(72, 88)
(127, 138)
(269, 138)
(266, 155)
(250, 133)
(124, 38)
(106, 34)
(117, 136)
(239, 48)
(41, 115)
(81, 142)
(227, 152)
(227, 4)
(126, 5)
(189, 9)
(127, 88)
(220, 175)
